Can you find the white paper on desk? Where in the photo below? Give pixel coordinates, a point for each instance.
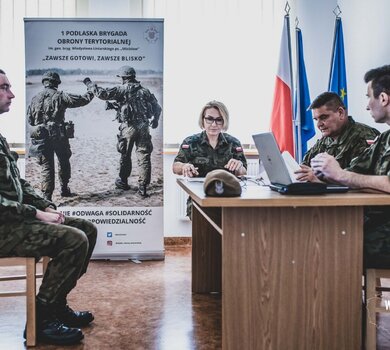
(194, 179)
(263, 174)
(291, 164)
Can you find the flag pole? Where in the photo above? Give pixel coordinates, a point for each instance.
(297, 131)
(337, 12)
(282, 119)
(287, 17)
(303, 117)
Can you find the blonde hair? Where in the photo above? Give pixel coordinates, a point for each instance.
(221, 108)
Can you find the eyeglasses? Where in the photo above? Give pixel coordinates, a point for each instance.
(259, 181)
(5, 87)
(210, 120)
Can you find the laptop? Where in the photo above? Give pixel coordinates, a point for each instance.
(281, 179)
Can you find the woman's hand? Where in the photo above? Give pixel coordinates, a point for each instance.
(234, 165)
(189, 170)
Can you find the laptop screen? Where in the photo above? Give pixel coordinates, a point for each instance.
(271, 158)
(281, 176)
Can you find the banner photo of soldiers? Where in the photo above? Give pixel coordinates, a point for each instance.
(94, 127)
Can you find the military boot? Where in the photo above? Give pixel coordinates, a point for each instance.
(65, 192)
(72, 318)
(142, 191)
(50, 330)
(122, 184)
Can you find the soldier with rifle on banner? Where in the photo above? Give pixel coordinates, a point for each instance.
(136, 110)
(50, 133)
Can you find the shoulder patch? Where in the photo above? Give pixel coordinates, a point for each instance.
(371, 142)
(184, 146)
(239, 149)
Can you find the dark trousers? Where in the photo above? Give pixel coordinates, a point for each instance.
(141, 138)
(55, 147)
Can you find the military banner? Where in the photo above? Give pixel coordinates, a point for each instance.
(94, 134)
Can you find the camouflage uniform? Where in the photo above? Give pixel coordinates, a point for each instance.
(136, 107)
(50, 134)
(376, 161)
(351, 143)
(197, 150)
(70, 245)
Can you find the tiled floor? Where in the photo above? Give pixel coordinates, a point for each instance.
(136, 306)
(147, 306)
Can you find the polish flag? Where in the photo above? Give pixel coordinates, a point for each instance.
(282, 112)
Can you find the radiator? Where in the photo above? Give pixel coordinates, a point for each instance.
(181, 196)
(253, 167)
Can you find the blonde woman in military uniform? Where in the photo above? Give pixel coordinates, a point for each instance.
(212, 148)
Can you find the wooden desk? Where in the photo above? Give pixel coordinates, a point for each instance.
(290, 267)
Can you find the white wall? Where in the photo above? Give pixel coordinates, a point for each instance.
(366, 31)
(175, 224)
(367, 45)
(201, 36)
(366, 37)
(218, 49)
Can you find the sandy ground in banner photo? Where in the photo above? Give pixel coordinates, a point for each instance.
(95, 160)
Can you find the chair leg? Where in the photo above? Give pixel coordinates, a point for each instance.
(45, 262)
(378, 284)
(371, 326)
(30, 301)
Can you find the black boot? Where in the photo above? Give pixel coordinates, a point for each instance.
(65, 192)
(51, 331)
(142, 191)
(72, 318)
(122, 184)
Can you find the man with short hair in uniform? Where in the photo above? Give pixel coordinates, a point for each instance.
(137, 109)
(30, 226)
(369, 171)
(342, 137)
(50, 133)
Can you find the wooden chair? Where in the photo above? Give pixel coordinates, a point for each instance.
(30, 291)
(373, 303)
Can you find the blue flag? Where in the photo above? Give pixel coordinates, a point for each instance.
(338, 77)
(304, 129)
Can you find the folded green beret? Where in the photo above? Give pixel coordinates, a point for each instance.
(221, 183)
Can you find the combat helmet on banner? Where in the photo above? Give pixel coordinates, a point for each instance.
(53, 77)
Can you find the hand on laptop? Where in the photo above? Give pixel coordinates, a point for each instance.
(306, 174)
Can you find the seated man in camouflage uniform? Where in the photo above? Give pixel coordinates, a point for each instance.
(342, 137)
(50, 133)
(136, 109)
(369, 171)
(30, 226)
